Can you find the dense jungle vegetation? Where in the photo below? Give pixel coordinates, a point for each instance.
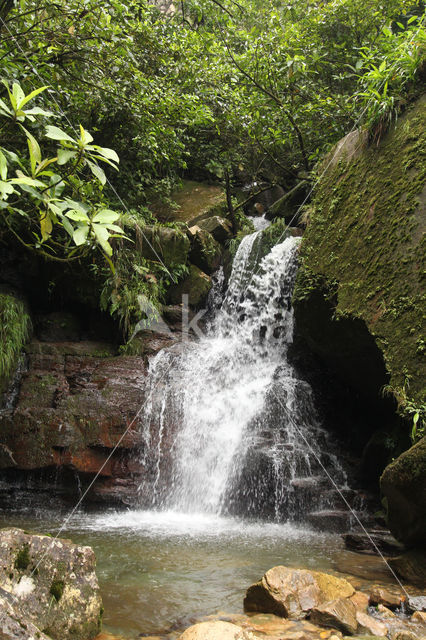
(105, 107)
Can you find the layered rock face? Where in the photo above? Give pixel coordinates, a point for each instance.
(47, 586)
(75, 402)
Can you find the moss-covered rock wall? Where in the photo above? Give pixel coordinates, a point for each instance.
(359, 301)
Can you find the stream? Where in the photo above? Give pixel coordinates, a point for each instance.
(161, 571)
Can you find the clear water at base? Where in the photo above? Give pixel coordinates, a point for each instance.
(159, 571)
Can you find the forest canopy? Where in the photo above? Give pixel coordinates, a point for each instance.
(105, 107)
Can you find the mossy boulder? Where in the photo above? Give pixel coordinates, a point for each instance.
(403, 484)
(358, 299)
(54, 582)
(165, 244)
(219, 227)
(206, 252)
(196, 286)
(287, 206)
(193, 201)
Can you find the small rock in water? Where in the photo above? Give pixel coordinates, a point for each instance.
(419, 616)
(390, 599)
(361, 600)
(339, 614)
(369, 543)
(368, 624)
(385, 612)
(216, 631)
(291, 593)
(417, 603)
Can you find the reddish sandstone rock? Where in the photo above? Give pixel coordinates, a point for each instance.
(75, 403)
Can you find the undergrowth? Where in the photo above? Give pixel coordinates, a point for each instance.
(15, 325)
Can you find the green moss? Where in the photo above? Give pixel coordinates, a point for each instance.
(365, 244)
(23, 559)
(56, 589)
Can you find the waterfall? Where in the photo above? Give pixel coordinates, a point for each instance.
(222, 430)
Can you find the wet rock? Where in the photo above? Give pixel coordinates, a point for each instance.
(72, 410)
(206, 252)
(380, 595)
(411, 567)
(215, 631)
(368, 624)
(360, 600)
(404, 635)
(53, 582)
(338, 614)
(384, 612)
(419, 616)
(220, 228)
(196, 285)
(11, 625)
(330, 520)
(417, 603)
(294, 592)
(286, 207)
(404, 485)
(361, 542)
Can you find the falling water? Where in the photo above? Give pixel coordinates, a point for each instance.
(230, 428)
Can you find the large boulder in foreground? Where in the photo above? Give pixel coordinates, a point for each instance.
(403, 483)
(11, 625)
(359, 296)
(293, 593)
(52, 583)
(216, 630)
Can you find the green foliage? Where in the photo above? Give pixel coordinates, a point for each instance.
(391, 68)
(259, 90)
(15, 325)
(38, 203)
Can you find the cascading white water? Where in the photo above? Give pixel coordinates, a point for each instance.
(222, 429)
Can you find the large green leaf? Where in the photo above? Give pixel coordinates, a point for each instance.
(77, 216)
(24, 99)
(3, 166)
(102, 235)
(106, 215)
(80, 235)
(97, 171)
(54, 133)
(64, 155)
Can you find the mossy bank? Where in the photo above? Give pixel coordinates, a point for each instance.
(362, 262)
